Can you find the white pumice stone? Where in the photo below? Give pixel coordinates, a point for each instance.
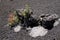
(17, 28)
(38, 31)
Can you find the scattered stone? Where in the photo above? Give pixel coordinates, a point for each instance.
(38, 31)
(17, 28)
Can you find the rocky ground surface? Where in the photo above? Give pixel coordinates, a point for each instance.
(39, 7)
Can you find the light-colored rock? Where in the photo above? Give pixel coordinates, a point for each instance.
(17, 28)
(57, 22)
(38, 31)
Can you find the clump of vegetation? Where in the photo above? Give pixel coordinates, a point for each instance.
(22, 18)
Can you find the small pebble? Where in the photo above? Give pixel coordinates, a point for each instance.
(17, 28)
